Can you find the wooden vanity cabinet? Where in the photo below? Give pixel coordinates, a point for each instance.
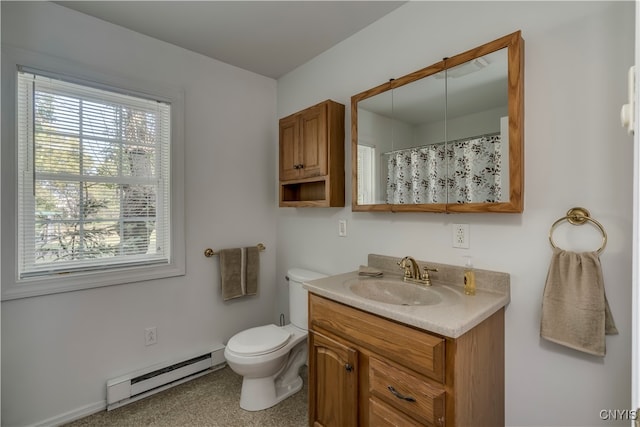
(400, 375)
(311, 158)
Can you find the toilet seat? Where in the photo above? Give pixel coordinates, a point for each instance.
(259, 340)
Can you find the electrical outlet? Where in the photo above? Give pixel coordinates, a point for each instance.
(150, 336)
(461, 236)
(342, 228)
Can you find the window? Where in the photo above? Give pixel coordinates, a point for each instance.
(366, 174)
(94, 187)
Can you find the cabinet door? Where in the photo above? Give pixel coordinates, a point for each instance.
(313, 141)
(333, 382)
(289, 154)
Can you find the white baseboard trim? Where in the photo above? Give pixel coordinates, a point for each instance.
(76, 414)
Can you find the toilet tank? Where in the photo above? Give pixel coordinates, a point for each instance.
(298, 305)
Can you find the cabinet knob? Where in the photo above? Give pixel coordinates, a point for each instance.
(348, 367)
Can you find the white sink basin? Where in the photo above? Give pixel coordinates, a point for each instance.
(398, 292)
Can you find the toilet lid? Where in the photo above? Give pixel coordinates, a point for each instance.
(260, 340)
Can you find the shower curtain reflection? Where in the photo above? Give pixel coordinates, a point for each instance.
(463, 171)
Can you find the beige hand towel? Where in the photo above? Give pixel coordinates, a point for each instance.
(231, 273)
(575, 310)
(239, 271)
(252, 270)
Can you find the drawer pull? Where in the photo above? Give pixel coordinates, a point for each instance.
(400, 396)
(348, 367)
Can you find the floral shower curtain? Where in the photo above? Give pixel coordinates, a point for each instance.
(469, 169)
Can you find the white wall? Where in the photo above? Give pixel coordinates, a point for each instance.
(577, 154)
(58, 351)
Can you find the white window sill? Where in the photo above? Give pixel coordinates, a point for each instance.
(45, 285)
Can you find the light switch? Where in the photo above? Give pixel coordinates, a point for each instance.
(628, 110)
(342, 228)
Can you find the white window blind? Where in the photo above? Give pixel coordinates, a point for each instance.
(94, 178)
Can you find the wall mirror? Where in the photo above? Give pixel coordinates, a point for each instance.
(446, 138)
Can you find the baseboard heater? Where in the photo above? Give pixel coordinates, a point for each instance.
(145, 382)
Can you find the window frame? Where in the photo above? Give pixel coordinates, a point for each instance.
(13, 286)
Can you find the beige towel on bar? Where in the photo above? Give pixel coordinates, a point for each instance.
(575, 310)
(239, 270)
(252, 270)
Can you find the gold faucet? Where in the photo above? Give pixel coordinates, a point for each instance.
(412, 271)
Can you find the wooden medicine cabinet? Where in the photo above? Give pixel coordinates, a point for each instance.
(445, 138)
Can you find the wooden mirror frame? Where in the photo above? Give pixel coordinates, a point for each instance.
(515, 77)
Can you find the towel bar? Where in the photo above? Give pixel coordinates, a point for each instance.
(210, 252)
(578, 216)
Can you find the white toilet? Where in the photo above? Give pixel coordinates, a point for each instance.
(270, 357)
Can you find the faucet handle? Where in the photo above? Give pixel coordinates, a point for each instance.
(407, 268)
(425, 275)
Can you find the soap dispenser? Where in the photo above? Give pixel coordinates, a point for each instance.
(469, 278)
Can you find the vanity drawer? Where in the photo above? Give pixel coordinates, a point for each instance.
(419, 350)
(396, 386)
(382, 415)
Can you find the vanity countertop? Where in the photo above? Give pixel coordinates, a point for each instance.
(451, 318)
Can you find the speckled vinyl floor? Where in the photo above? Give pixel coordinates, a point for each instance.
(211, 400)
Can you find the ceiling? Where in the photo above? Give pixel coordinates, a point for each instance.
(270, 38)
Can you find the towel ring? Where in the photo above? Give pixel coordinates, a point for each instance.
(578, 216)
